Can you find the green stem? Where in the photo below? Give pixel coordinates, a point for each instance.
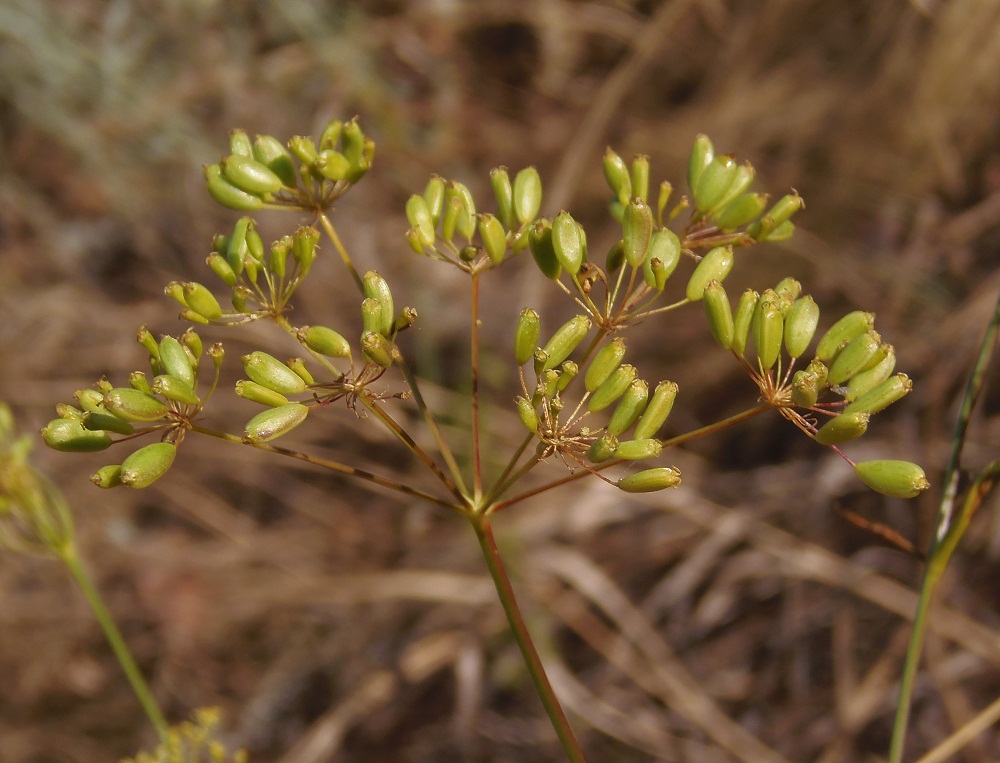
(484, 533)
(425, 411)
(947, 533)
(113, 635)
(336, 466)
(580, 474)
(344, 256)
(477, 466)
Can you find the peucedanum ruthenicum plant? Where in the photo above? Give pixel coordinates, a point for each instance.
(580, 402)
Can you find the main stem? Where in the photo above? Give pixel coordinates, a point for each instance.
(484, 533)
(114, 637)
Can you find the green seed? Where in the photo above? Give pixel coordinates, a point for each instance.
(900, 479)
(637, 230)
(629, 408)
(274, 422)
(637, 450)
(714, 266)
(842, 428)
(612, 388)
(719, 314)
(527, 192)
(657, 410)
(800, 325)
(618, 176)
(651, 480)
(882, 395)
(526, 335)
(849, 327)
(854, 357)
(565, 340)
(134, 405)
(146, 465)
(567, 242)
(604, 363)
(70, 436)
(270, 372)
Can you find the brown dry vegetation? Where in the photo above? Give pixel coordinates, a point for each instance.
(334, 624)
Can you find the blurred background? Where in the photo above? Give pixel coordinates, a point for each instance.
(331, 623)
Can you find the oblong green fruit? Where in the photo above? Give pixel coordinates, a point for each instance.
(651, 480)
(434, 197)
(270, 372)
(714, 266)
(465, 222)
(612, 388)
(227, 194)
(768, 329)
(664, 247)
(842, 428)
(418, 214)
(702, 153)
(899, 479)
(805, 389)
(657, 410)
(854, 356)
(272, 153)
(604, 363)
(872, 375)
(97, 420)
(135, 405)
(146, 465)
(637, 450)
(540, 243)
(742, 210)
(745, 309)
(565, 340)
(639, 176)
(882, 395)
(602, 449)
(250, 176)
(376, 287)
(258, 393)
(527, 192)
(852, 325)
(715, 181)
(800, 325)
(526, 335)
(325, 341)
(175, 360)
(740, 182)
(617, 174)
(377, 348)
(493, 236)
(637, 231)
(503, 191)
(567, 242)
(332, 165)
(719, 314)
(527, 413)
(630, 406)
(108, 476)
(70, 436)
(274, 422)
(174, 389)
